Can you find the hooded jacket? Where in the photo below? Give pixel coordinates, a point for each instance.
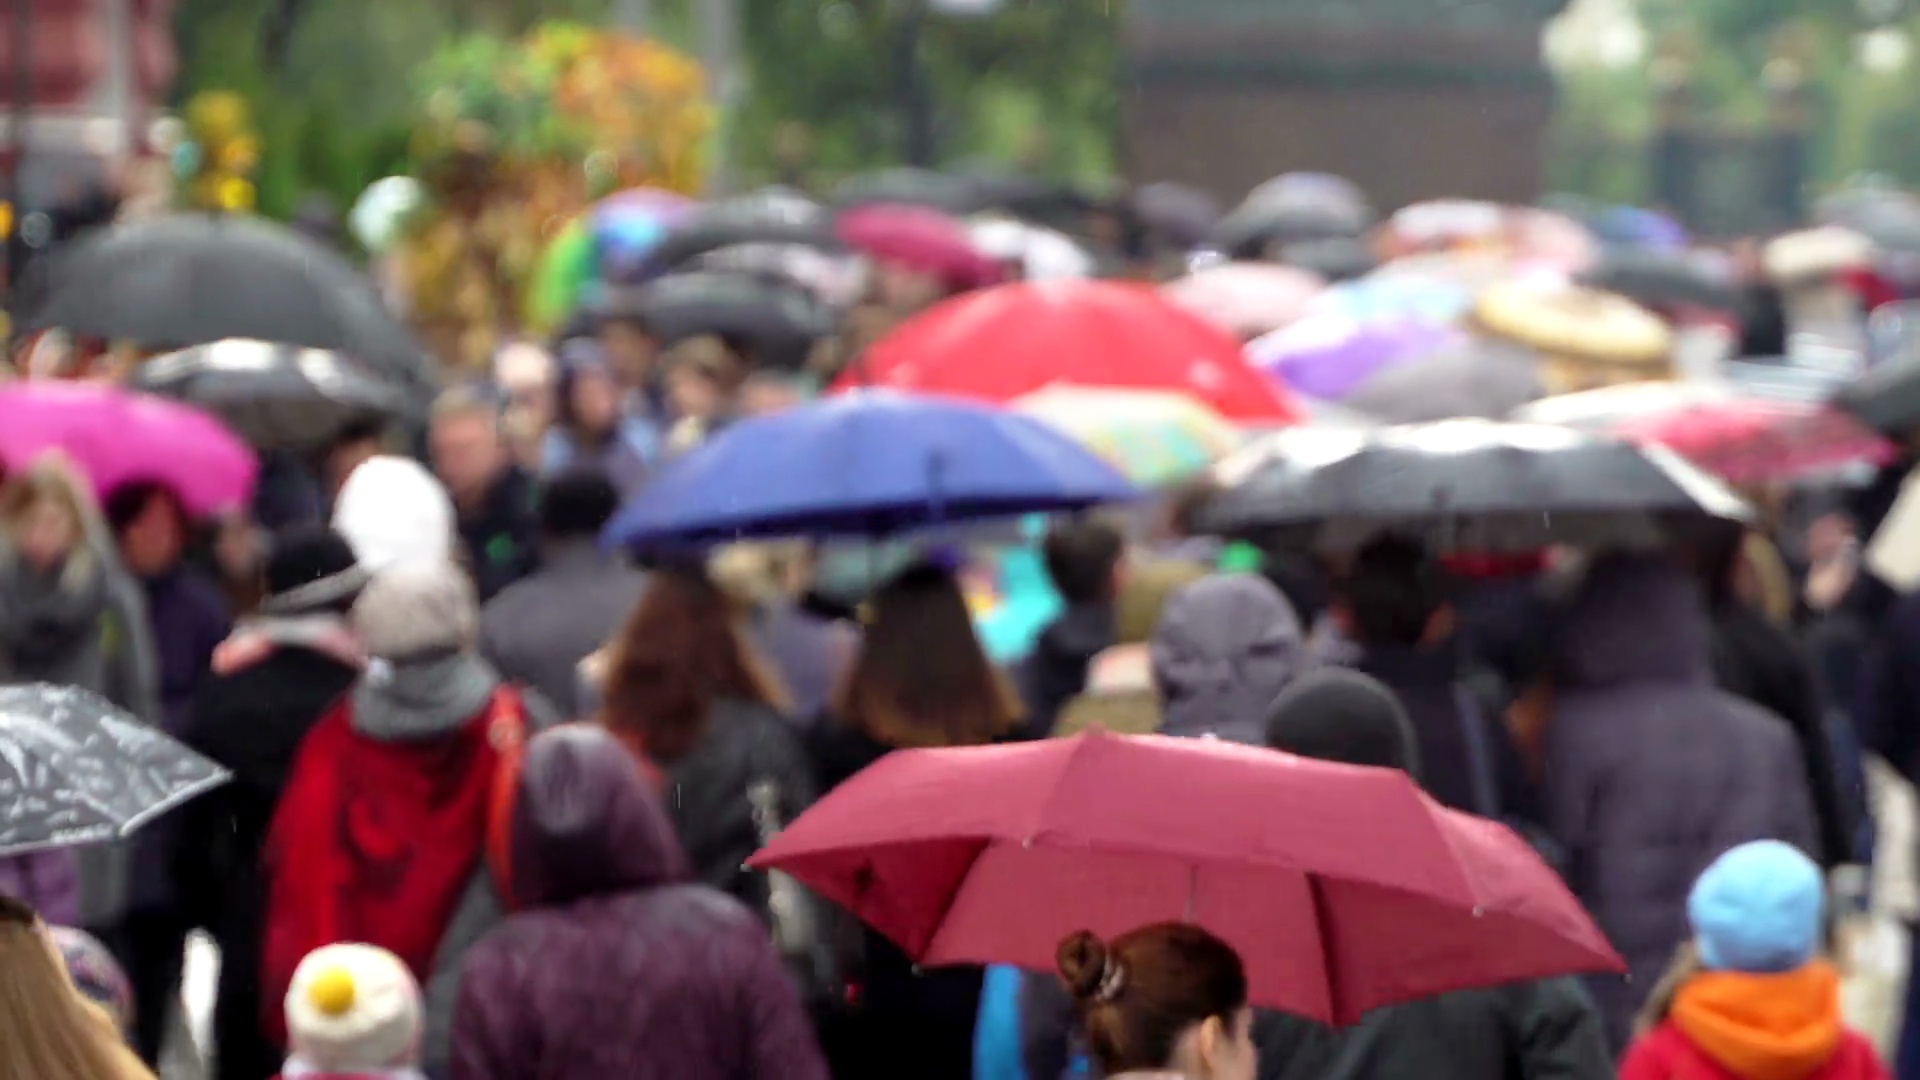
(615, 965)
(1224, 647)
(1732, 1026)
(1651, 771)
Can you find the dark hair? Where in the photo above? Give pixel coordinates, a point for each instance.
(1081, 554)
(1137, 995)
(921, 677)
(577, 504)
(1391, 592)
(1187, 502)
(359, 430)
(126, 502)
(680, 651)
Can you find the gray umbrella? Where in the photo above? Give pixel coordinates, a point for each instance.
(1476, 378)
(1464, 485)
(76, 770)
(277, 397)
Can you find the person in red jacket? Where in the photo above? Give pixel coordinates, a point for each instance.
(1749, 998)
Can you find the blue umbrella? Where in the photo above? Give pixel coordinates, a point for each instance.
(865, 464)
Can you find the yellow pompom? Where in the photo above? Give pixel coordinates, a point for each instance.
(331, 992)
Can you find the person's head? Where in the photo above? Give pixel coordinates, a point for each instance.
(45, 509)
(589, 400)
(1342, 715)
(1223, 648)
(1083, 557)
(921, 677)
(701, 377)
(417, 613)
(353, 1009)
(587, 822)
(1167, 997)
(468, 448)
(576, 505)
(1758, 909)
(311, 570)
(1392, 595)
(1180, 517)
(681, 651)
(48, 1031)
(150, 525)
(354, 444)
(633, 352)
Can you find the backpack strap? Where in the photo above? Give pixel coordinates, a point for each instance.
(507, 732)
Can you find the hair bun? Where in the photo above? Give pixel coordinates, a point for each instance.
(1083, 960)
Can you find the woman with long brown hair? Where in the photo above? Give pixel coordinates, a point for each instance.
(47, 1030)
(920, 679)
(685, 691)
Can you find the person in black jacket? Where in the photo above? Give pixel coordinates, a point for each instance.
(1083, 558)
(282, 669)
(1524, 1031)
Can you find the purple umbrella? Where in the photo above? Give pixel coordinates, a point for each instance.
(116, 437)
(1330, 356)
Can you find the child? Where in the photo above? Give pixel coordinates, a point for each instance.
(1750, 998)
(353, 1013)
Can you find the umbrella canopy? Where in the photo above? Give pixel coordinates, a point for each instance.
(1442, 224)
(1632, 226)
(778, 321)
(76, 770)
(1247, 299)
(627, 226)
(1182, 216)
(1153, 438)
(1002, 343)
(1371, 894)
(918, 239)
(1333, 195)
(1040, 253)
(910, 187)
(1660, 276)
(1338, 259)
(865, 464)
(1255, 229)
(1465, 485)
(1470, 377)
(277, 397)
(1329, 356)
(190, 279)
(1885, 398)
(770, 217)
(116, 438)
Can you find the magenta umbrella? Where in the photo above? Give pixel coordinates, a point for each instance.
(918, 239)
(117, 437)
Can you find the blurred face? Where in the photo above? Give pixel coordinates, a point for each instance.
(468, 454)
(151, 544)
(596, 402)
(693, 393)
(46, 534)
(631, 352)
(762, 396)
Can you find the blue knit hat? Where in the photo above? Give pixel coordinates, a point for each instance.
(1758, 909)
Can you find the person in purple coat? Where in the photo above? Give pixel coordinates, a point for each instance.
(614, 965)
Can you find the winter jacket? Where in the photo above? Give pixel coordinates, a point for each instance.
(501, 536)
(1468, 759)
(539, 628)
(615, 966)
(1651, 771)
(1224, 647)
(1731, 1026)
(1055, 672)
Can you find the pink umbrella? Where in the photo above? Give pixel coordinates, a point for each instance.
(117, 437)
(919, 239)
(1752, 441)
(1247, 299)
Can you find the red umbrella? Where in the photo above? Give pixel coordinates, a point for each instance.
(1343, 888)
(919, 239)
(1003, 343)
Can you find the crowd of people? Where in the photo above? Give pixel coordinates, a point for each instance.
(494, 785)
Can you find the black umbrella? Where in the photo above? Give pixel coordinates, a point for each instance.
(1339, 259)
(1181, 215)
(74, 769)
(768, 217)
(910, 187)
(777, 321)
(1463, 485)
(277, 397)
(1656, 276)
(191, 279)
(1254, 229)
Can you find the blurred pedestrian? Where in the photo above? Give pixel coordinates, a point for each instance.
(1223, 648)
(809, 652)
(353, 1012)
(1640, 801)
(493, 498)
(47, 1030)
(615, 963)
(395, 513)
(1165, 1002)
(590, 430)
(1749, 998)
(1084, 560)
(390, 828)
(632, 352)
(286, 664)
(539, 629)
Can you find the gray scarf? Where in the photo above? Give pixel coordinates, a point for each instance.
(50, 622)
(421, 699)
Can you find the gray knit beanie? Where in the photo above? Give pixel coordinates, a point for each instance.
(417, 611)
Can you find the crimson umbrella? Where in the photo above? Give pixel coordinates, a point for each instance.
(919, 239)
(1003, 343)
(1343, 888)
